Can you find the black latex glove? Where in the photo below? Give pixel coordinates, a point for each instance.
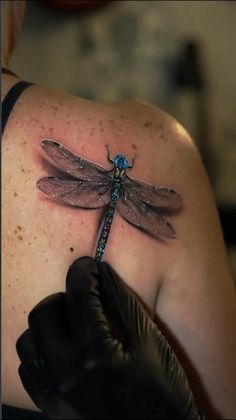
(77, 363)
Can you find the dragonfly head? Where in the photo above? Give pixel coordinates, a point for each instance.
(120, 161)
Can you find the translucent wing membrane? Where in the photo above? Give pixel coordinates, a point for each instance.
(88, 185)
(141, 215)
(152, 195)
(74, 165)
(85, 194)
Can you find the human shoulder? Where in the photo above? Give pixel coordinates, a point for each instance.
(161, 131)
(196, 304)
(197, 298)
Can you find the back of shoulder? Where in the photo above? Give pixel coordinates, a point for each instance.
(158, 128)
(199, 242)
(196, 305)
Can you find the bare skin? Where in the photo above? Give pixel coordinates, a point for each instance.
(185, 281)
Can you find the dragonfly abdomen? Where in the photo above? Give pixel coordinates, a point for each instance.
(115, 193)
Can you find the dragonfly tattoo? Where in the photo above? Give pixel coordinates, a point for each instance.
(91, 186)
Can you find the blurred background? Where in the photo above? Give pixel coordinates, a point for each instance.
(178, 55)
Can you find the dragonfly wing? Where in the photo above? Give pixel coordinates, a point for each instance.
(77, 193)
(142, 216)
(72, 164)
(151, 194)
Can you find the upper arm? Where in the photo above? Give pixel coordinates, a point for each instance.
(196, 306)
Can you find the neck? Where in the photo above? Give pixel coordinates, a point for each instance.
(5, 63)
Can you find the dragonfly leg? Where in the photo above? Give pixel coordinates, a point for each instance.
(132, 164)
(108, 154)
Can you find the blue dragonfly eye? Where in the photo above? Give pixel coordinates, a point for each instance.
(121, 161)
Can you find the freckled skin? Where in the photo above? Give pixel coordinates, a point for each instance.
(144, 264)
(20, 238)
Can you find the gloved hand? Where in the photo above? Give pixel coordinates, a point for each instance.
(93, 352)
